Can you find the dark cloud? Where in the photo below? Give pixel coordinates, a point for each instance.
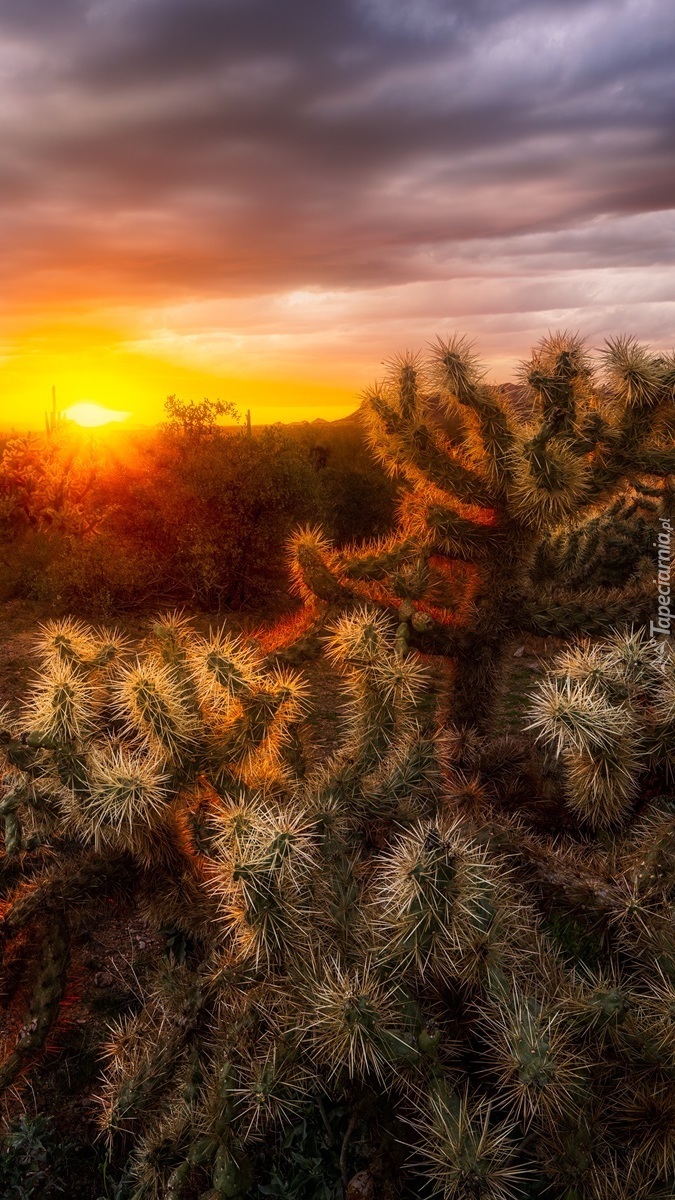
(217, 147)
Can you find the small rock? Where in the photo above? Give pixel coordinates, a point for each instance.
(103, 979)
(361, 1187)
(519, 652)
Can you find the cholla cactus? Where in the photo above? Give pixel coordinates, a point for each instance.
(445, 935)
(607, 712)
(365, 929)
(128, 792)
(510, 526)
(468, 1153)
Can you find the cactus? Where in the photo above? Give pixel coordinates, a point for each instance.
(45, 999)
(458, 940)
(605, 711)
(509, 527)
(368, 927)
(469, 1154)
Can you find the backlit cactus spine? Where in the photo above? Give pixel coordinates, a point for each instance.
(366, 928)
(542, 526)
(607, 712)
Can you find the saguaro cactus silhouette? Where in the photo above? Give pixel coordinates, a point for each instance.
(511, 526)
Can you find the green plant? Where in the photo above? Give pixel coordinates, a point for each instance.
(197, 419)
(364, 933)
(459, 939)
(34, 1160)
(510, 528)
(307, 1163)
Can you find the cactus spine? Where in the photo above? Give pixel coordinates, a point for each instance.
(510, 527)
(461, 937)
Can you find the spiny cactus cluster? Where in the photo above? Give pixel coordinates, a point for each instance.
(460, 938)
(607, 709)
(366, 925)
(508, 526)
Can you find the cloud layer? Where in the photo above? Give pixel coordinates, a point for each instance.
(307, 186)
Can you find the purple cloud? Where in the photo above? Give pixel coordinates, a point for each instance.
(182, 152)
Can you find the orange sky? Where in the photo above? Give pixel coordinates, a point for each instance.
(100, 366)
(261, 202)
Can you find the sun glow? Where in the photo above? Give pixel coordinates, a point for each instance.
(91, 415)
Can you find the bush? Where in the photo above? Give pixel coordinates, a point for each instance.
(172, 517)
(216, 514)
(356, 503)
(33, 1161)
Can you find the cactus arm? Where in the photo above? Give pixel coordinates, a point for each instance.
(596, 554)
(605, 548)
(140, 1092)
(564, 612)
(374, 564)
(20, 752)
(625, 453)
(492, 434)
(654, 462)
(46, 998)
(430, 636)
(589, 434)
(419, 451)
(77, 881)
(9, 811)
(439, 527)
(315, 576)
(559, 880)
(13, 833)
(309, 644)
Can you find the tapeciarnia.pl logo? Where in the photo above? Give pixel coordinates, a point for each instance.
(660, 628)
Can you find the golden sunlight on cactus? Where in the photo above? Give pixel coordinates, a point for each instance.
(406, 893)
(150, 703)
(603, 710)
(128, 793)
(553, 504)
(63, 706)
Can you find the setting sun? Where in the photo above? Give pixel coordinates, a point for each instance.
(91, 415)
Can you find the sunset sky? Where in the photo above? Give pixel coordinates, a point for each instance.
(263, 199)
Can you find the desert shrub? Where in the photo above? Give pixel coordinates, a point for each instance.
(197, 419)
(355, 503)
(35, 1162)
(216, 514)
(51, 483)
(198, 516)
(24, 563)
(104, 575)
